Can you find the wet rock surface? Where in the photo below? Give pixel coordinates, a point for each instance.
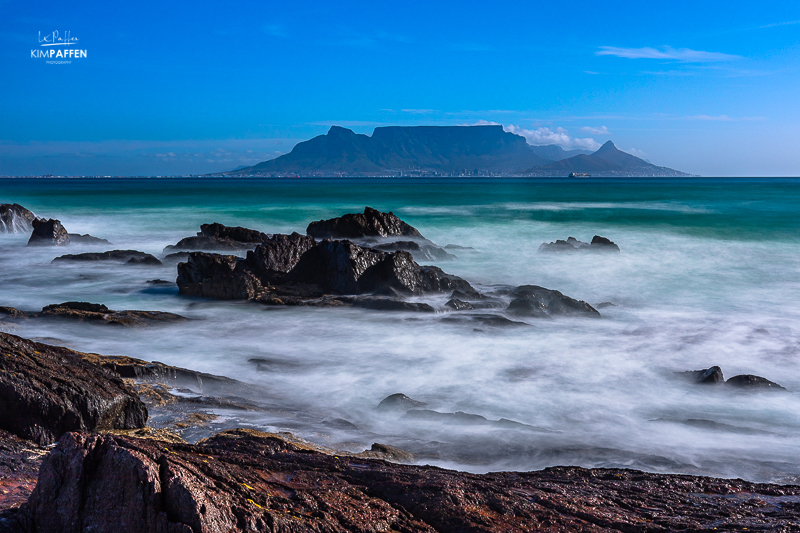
(19, 468)
(15, 219)
(598, 244)
(46, 391)
(740, 383)
(95, 314)
(370, 223)
(538, 302)
(751, 382)
(245, 480)
(400, 402)
(216, 237)
(420, 252)
(48, 233)
(131, 257)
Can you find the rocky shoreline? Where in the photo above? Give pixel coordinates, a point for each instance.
(91, 442)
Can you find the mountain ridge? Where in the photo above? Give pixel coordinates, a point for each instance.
(486, 150)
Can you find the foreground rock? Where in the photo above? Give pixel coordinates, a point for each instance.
(293, 268)
(130, 257)
(247, 481)
(48, 233)
(538, 302)
(217, 237)
(15, 219)
(95, 313)
(371, 223)
(598, 244)
(46, 391)
(19, 468)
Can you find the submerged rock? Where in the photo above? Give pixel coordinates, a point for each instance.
(371, 223)
(459, 305)
(130, 257)
(48, 233)
(538, 302)
(76, 238)
(754, 383)
(598, 244)
(249, 481)
(46, 391)
(400, 402)
(95, 313)
(15, 219)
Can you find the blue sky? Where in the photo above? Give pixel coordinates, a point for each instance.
(194, 87)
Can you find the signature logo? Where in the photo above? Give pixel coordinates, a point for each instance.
(55, 55)
(55, 39)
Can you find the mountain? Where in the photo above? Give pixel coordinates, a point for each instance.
(441, 151)
(606, 161)
(395, 149)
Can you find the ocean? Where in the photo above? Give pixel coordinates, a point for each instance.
(708, 274)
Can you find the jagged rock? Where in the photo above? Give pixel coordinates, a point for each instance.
(48, 233)
(19, 468)
(15, 219)
(248, 481)
(400, 402)
(131, 257)
(94, 313)
(538, 302)
(76, 238)
(217, 276)
(372, 223)
(459, 305)
(598, 244)
(46, 391)
(755, 383)
(425, 252)
(218, 238)
(278, 255)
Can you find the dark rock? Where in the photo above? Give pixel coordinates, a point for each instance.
(243, 480)
(434, 279)
(603, 305)
(711, 375)
(459, 305)
(75, 306)
(15, 219)
(46, 391)
(76, 238)
(278, 255)
(493, 321)
(19, 468)
(457, 247)
(13, 312)
(470, 297)
(598, 244)
(754, 383)
(100, 314)
(48, 233)
(386, 304)
(176, 257)
(538, 302)
(217, 276)
(371, 223)
(234, 233)
(122, 256)
(425, 252)
(159, 282)
(400, 402)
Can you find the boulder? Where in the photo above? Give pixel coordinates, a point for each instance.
(217, 276)
(131, 257)
(753, 383)
(48, 233)
(538, 302)
(46, 391)
(218, 238)
(710, 376)
(278, 255)
(242, 480)
(371, 223)
(598, 244)
(15, 219)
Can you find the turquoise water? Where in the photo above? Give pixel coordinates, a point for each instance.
(708, 274)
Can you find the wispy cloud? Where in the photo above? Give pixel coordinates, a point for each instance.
(419, 111)
(776, 24)
(722, 118)
(558, 136)
(602, 130)
(685, 55)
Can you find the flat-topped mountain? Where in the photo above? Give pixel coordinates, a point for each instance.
(443, 151)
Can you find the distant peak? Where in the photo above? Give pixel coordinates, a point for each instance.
(338, 130)
(607, 147)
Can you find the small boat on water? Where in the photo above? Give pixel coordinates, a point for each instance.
(579, 175)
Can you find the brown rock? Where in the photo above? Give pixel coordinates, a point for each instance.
(48, 233)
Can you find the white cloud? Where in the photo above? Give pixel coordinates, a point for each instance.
(685, 55)
(638, 153)
(602, 130)
(559, 137)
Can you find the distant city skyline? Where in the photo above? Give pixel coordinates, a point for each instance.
(192, 88)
